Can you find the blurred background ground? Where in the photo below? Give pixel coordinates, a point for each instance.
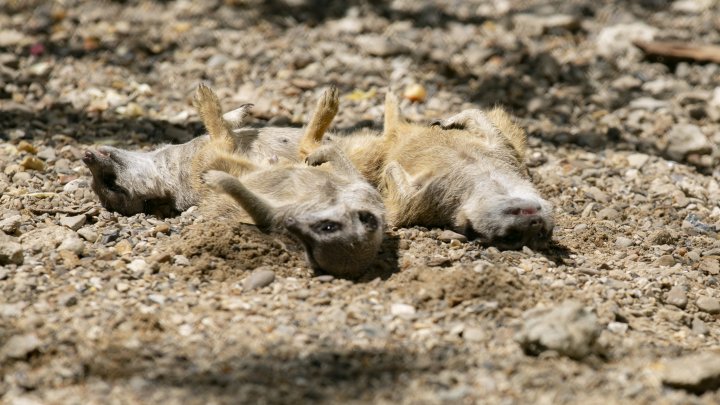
(101, 308)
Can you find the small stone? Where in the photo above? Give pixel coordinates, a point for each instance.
(637, 160)
(259, 278)
(73, 244)
(163, 257)
(68, 300)
(325, 278)
(684, 139)
(123, 247)
(616, 40)
(617, 327)
(697, 373)
(161, 228)
(26, 146)
(665, 260)
(73, 222)
(180, 260)
(474, 334)
(608, 213)
(157, 298)
(122, 287)
(32, 163)
(378, 45)
(88, 234)
(11, 252)
(623, 242)
(699, 327)
(138, 266)
(11, 224)
(710, 265)
(19, 346)
(438, 261)
(415, 93)
(708, 304)
(400, 309)
(47, 154)
(677, 296)
(448, 235)
(568, 329)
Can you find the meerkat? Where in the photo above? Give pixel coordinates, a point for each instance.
(332, 211)
(160, 181)
(466, 173)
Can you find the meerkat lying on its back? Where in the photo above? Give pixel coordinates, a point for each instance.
(467, 173)
(334, 213)
(161, 181)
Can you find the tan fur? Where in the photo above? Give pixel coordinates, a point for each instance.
(325, 111)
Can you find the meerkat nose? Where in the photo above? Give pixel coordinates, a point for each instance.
(88, 157)
(523, 208)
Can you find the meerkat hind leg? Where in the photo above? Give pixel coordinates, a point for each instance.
(208, 107)
(325, 111)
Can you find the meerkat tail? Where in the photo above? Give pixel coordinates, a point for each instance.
(208, 107)
(325, 111)
(259, 210)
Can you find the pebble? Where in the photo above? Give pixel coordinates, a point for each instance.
(19, 346)
(448, 235)
(637, 160)
(608, 213)
(68, 300)
(180, 260)
(259, 278)
(710, 265)
(684, 139)
(88, 233)
(616, 40)
(697, 372)
(415, 93)
(325, 278)
(73, 222)
(377, 45)
(617, 327)
(73, 244)
(677, 296)
(161, 228)
(32, 163)
(568, 329)
(157, 298)
(402, 310)
(138, 266)
(708, 304)
(122, 287)
(665, 261)
(699, 327)
(474, 334)
(10, 225)
(623, 242)
(10, 252)
(123, 247)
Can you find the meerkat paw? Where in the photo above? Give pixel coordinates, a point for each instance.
(216, 178)
(329, 103)
(318, 156)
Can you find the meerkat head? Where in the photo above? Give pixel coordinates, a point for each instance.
(340, 241)
(127, 182)
(507, 212)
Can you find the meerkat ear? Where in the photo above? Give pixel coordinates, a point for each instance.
(393, 119)
(259, 210)
(236, 118)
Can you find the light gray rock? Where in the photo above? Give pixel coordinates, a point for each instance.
(568, 329)
(258, 279)
(448, 235)
(73, 244)
(708, 304)
(402, 310)
(11, 224)
(73, 222)
(684, 139)
(623, 242)
(637, 160)
(10, 252)
(616, 40)
(696, 373)
(88, 234)
(378, 45)
(677, 296)
(19, 346)
(47, 238)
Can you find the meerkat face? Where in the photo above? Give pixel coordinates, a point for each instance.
(506, 212)
(340, 241)
(127, 181)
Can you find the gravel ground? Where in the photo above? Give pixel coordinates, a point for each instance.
(100, 308)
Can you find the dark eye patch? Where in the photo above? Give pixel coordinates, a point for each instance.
(327, 227)
(368, 219)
